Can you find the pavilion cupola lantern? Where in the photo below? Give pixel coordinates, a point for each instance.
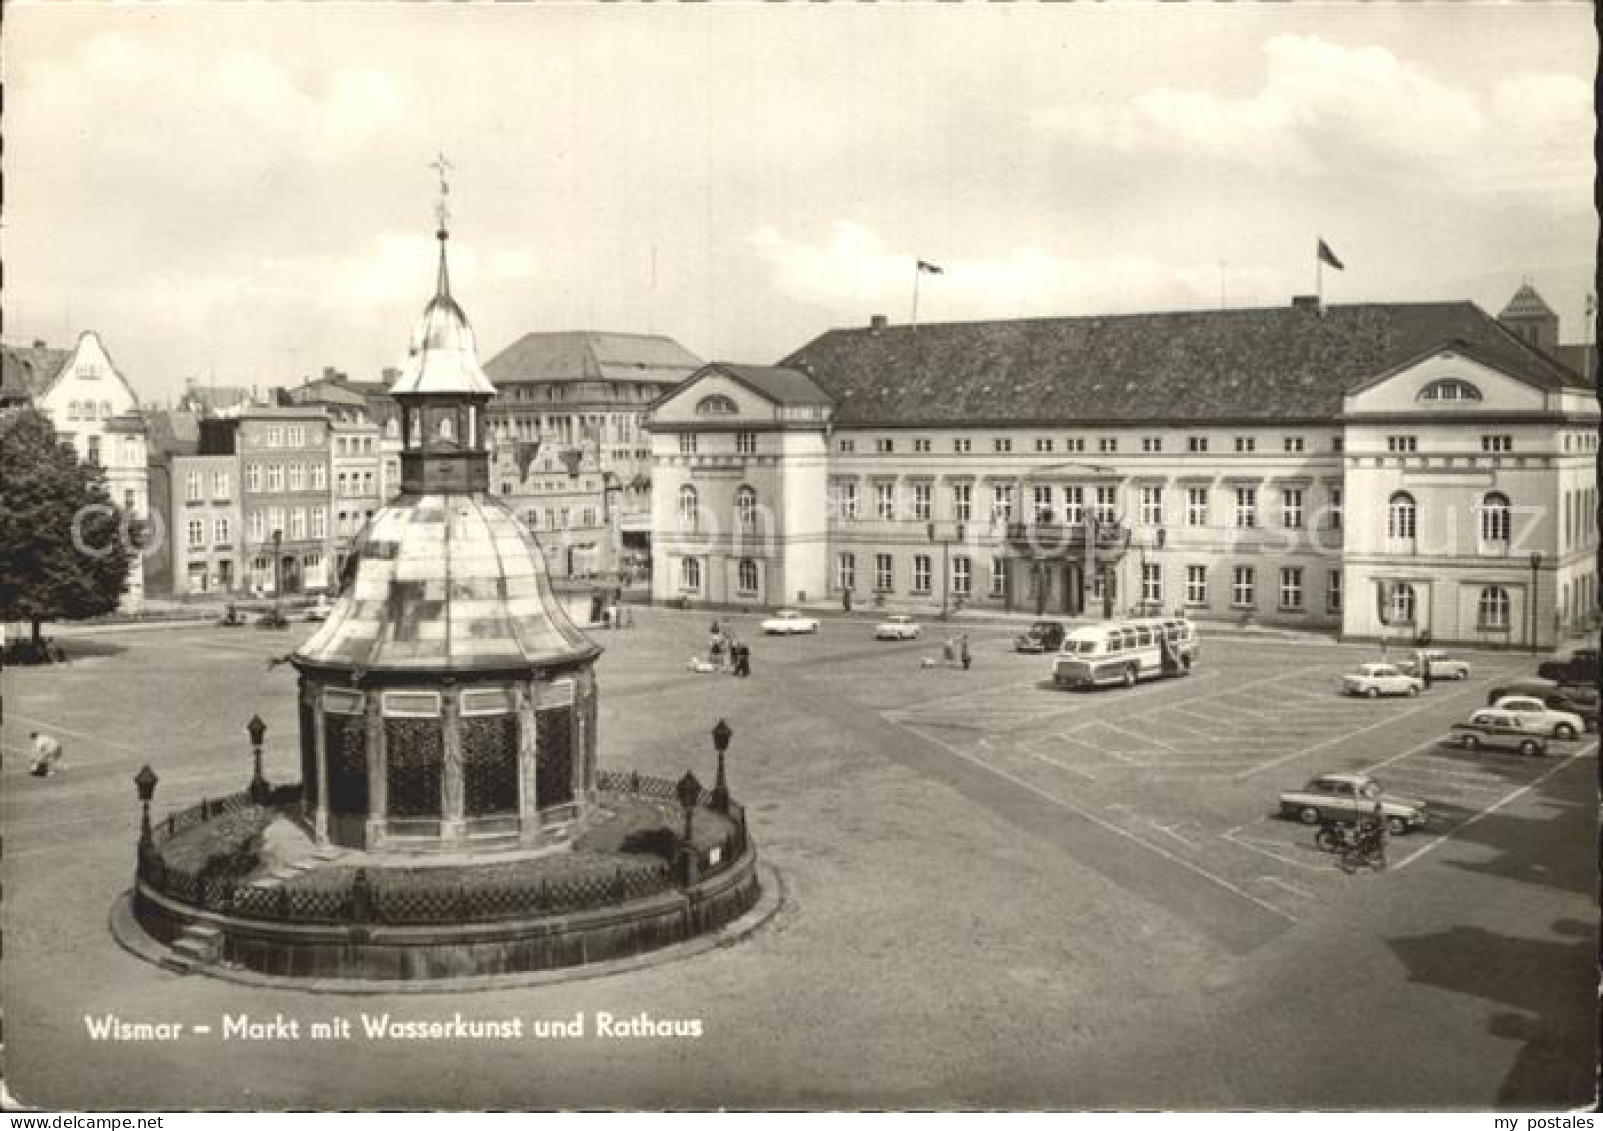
(448, 699)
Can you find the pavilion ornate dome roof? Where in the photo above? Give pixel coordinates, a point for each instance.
(449, 584)
(443, 357)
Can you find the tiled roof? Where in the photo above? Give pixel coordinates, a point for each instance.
(1526, 303)
(583, 355)
(446, 584)
(1580, 358)
(778, 384)
(27, 371)
(1278, 363)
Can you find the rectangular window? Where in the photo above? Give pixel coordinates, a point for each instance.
(998, 577)
(275, 477)
(1333, 592)
(921, 573)
(1002, 502)
(1241, 587)
(1246, 506)
(1108, 444)
(222, 485)
(297, 477)
(848, 501)
(1151, 583)
(1402, 445)
(1338, 443)
(275, 437)
(921, 446)
(687, 443)
(1196, 506)
(220, 531)
(1196, 445)
(1246, 444)
(297, 524)
(253, 477)
(1496, 444)
(1152, 443)
(846, 571)
(1196, 585)
(1002, 444)
(885, 501)
(962, 502)
(1043, 504)
(1074, 505)
(1335, 507)
(275, 521)
(1294, 444)
(884, 445)
(746, 443)
(847, 447)
(193, 484)
(961, 445)
(94, 451)
(319, 522)
(1291, 508)
(197, 533)
(1106, 500)
(258, 527)
(319, 477)
(923, 501)
(1043, 443)
(962, 577)
(1291, 588)
(1152, 506)
(1074, 444)
(884, 573)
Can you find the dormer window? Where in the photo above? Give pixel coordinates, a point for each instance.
(1450, 389)
(716, 405)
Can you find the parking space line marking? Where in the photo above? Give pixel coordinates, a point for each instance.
(1115, 829)
(1489, 810)
(1086, 774)
(1293, 888)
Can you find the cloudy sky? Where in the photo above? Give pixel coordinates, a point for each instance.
(244, 191)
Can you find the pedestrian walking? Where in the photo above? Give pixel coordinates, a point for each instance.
(949, 652)
(715, 649)
(963, 649)
(743, 660)
(1422, 662)
(846, 601)
(46, 755)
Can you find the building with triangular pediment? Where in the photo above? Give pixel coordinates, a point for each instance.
(1380, 470)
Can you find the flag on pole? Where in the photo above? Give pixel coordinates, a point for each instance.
(931, 268)
(1328, 256)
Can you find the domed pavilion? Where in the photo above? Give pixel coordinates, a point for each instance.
(447, 701)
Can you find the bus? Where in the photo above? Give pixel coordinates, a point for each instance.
(1124, 651)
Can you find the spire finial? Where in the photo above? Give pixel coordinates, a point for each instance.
(441, 210)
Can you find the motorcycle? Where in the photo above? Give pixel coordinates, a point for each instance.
(1355, 848)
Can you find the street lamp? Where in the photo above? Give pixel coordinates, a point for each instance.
(145, 782)
(258, 784)
(689, 793)
(721, 734)
(278, 571)
(1536, 566)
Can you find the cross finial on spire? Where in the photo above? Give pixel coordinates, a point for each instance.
(443, 167)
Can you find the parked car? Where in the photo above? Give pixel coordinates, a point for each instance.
(1580, 666)
(1042, 636)
(896, 627)
(1578, 699)
(1442, 666)
(1540, 717)
(1375, 680)
(1345, 798)
(788, 622)
(1494, 728)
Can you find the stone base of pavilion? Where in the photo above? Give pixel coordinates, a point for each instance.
(238, 885)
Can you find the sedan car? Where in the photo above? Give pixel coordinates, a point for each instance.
(788, 622)
(1375, 680)
(1541, 718)
(1493, 728)
(1442, 666)
(896, 628)
(1577, 699)
(1345, 798)
(1042, 636)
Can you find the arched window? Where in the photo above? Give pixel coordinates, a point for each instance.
(1496, 522)
(1402, 603)
(1494, 607)
(1450, 389)
(748, 575)
(716, 405)
(1401, 516)
(689, 513)
(746, 506)
(690, 574)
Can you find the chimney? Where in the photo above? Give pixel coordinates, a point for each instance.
(329, 373)
(878, 322)
(39, 344)
(1305, 302)
(391, 375)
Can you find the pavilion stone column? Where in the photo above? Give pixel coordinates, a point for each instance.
(528, 767)
(581, 736)
(592, 694)
(378, 778)
(453, 829)
(314, 691)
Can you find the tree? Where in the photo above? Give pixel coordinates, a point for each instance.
(65, 549)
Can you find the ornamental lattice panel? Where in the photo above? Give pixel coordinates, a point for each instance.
(345, 737)
(414, 754)
(554, 762)
(489, 765)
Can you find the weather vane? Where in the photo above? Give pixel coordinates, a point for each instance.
(443, 167)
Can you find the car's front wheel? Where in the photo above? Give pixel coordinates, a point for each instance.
(1530, 747)
(1469, 742)
(1564, 730)
(1396, 826)
(1373, 693)
(1413, 690)
(1308, 815)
